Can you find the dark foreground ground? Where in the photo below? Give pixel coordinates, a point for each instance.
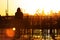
(37, 35)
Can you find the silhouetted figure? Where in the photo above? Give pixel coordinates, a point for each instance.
(18, 21)
(19, 14)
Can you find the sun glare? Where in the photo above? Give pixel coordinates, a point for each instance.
(10, 32)
(32, 5)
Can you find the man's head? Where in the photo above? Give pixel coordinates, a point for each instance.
(18, 9)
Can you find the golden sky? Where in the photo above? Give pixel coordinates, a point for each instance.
(29, 6)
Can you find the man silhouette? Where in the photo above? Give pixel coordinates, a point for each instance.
(18, 21)
(19, 14)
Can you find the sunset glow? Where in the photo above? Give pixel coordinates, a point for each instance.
(29, 6)
(32, 5)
